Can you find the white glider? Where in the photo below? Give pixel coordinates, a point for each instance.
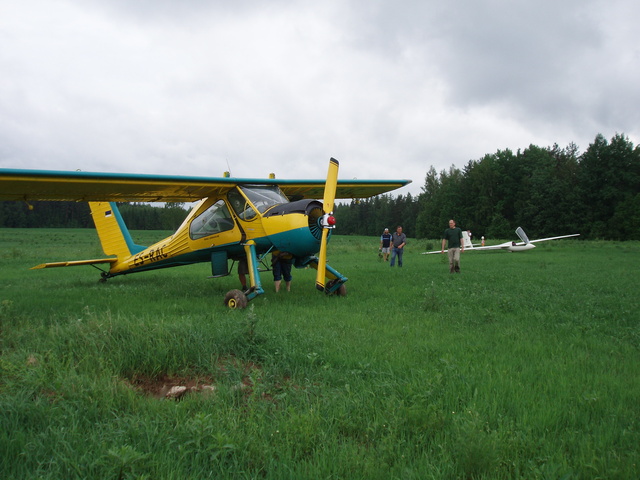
(525, 244)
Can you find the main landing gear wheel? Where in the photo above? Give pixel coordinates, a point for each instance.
(341, 291)
(235, 299)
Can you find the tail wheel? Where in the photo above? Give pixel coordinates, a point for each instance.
(235, 299)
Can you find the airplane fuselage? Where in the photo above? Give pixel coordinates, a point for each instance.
(223, 225)
(519, 248)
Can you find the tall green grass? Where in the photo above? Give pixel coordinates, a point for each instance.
(522, 366)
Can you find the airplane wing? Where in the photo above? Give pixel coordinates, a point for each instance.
(471, 248)
(25, 185)
(299, 189)
(554, 238)
(466, 240)
(526, 244)
(502, 246)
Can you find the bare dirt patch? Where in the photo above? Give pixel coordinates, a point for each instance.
(175, 386)
(167, 386)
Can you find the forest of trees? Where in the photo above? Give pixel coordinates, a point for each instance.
(547, 190)
(138, 216)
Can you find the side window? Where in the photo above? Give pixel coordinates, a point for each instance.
(243, 209)
(214, 219)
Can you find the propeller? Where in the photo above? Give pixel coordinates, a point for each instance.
(328, 221)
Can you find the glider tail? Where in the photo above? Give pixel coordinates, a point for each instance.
(112, 231)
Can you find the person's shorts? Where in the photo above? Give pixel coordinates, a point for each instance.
(385, 250)
(243, 267)
(282, 269)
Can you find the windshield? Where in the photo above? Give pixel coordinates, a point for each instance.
(264, 197)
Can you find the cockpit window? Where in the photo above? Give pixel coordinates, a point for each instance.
(264, 196)
(261, 197)
(240, 205)
(214, 219)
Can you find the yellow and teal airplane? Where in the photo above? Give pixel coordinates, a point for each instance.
(234, 219)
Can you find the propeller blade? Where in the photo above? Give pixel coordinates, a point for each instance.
(322, 261)
(330, 186)
(328, 201)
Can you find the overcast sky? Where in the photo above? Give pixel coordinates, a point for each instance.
(389, 88)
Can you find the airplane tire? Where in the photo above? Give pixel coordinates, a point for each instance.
(341, 291)
(235, 299)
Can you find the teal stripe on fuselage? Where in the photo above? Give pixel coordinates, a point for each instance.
(299, 242)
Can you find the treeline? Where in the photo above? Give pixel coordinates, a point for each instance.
(372, 215)
(548, 191)
(138, 216)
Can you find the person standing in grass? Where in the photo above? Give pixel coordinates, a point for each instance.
(453, 235)
(398, 240)
(281, 263)
(385, 244)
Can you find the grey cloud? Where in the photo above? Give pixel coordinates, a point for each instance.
(389, 88)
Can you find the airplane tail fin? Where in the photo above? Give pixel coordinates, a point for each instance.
(112, 231)
(522, 235)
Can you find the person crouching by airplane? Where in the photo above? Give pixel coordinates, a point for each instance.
(453, 235)
(385, 244)
(281, 263)
(398, 240)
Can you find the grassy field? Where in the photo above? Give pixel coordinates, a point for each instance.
(524, 366)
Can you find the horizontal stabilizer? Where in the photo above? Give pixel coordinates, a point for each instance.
(75, 263)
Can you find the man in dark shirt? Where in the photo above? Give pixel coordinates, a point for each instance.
(453, 235)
